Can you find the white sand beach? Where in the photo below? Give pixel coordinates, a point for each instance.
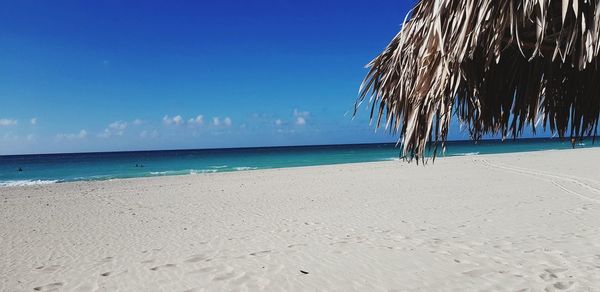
(512, 222)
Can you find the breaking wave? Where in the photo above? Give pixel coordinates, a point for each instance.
(241, 168)
(20, 183)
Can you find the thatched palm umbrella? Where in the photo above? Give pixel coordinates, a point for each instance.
(498, 65)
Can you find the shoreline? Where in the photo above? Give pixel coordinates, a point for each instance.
(496, 222)
(428, 162)
(308, 146)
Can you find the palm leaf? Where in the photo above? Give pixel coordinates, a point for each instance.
(498, 65)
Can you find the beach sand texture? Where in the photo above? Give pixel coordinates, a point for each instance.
(507, 222)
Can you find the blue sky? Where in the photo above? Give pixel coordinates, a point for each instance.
(134, 75)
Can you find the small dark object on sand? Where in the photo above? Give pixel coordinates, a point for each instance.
(303, 272)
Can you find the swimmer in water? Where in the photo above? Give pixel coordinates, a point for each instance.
(19, 169)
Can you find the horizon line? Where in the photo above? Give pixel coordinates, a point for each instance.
(284, 146)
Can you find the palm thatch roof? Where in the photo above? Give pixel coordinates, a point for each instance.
(498, 65)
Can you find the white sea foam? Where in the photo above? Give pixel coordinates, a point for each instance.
(181, 172)
(468, 154)
(245, 168)
(19, 183)
(219, 166)
(201, 171)
(159, 172)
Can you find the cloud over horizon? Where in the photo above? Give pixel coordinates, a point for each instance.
(114, 129)
(198, 120)
(72, 136)
(176, 120)
(301, 117)
(216, 121)
(8, 122)
(129, 133)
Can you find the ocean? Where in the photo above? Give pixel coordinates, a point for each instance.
(56, 168)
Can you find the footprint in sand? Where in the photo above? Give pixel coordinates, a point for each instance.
(196, 258)
(243, 278)
(551, 274)
(163, 267)
(107, 259)
(312, 223)
(147, 261)
(203, 270)
(49, 269)
(559, 286)
(297, 245)
(49, 287)
(86, 288)
(224, 277)
(260, 253)
(112, 273)
(478, 273)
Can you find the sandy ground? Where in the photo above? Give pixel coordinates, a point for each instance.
(513, 222)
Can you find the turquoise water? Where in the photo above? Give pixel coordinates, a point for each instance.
(53, 168)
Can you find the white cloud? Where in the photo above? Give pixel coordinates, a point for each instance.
(301, 117)
(114, 129)
(31, 137)
(7, 122)
(216, 121)
(105, 134)
(118, 125)
(227, 121)
(72, 136)
(303, 114)
(177, 120)
(138, 122)
(33, 121)
(199, 120)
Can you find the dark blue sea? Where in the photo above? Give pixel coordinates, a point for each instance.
(55, 168)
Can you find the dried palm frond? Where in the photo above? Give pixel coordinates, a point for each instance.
(498, 65)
